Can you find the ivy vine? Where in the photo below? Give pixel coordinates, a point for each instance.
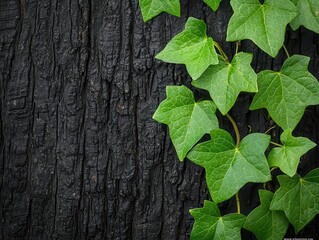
(229, 163)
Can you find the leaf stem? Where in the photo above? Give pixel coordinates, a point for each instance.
(235, 129)
(286, 51)
(237, 144)
(276, 144)
(238, 203)
(220, 50)
(269, 129)
(237, 46)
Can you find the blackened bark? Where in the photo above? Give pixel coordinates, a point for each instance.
(81, 157)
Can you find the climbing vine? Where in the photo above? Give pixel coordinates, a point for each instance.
(229, 163)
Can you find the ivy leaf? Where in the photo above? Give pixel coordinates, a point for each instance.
(264, 24)
(191, 47)
(287, 93)
(309, 15)
(226, 80)
(298, 198)
(151, 8)
(187, 120)
(265, 223)
(229, 168)
(288, 156)
(209, 224)
(214, 4)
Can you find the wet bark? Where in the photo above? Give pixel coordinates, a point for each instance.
(81, 157)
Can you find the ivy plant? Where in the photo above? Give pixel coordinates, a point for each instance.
(232, 163)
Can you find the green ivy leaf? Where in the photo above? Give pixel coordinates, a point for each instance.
(191, 47)
(264, 24)
(298, 198)
(309, 15)
(226, 80)
(214, 4)
(209, 224)
(229, 168)
(187, 120)
(265, 223)
(151, 8)
(288, 156)
(287, 93)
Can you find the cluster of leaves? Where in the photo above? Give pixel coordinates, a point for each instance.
(285, 94)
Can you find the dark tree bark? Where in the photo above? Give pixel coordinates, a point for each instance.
(81, 157)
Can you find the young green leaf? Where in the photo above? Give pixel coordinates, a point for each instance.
(151, 8)
(265, 223)
(309, 15)
(191, 47)
(298, 198)
(214, 4)
(287, 93)
(264, 24)
(288, 156)
(226, 80)
(209, 224)
(187, 120)
(229, 168)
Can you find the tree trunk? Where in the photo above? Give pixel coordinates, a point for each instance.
(81, 157)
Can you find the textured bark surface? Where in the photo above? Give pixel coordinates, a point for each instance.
(81, 157)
